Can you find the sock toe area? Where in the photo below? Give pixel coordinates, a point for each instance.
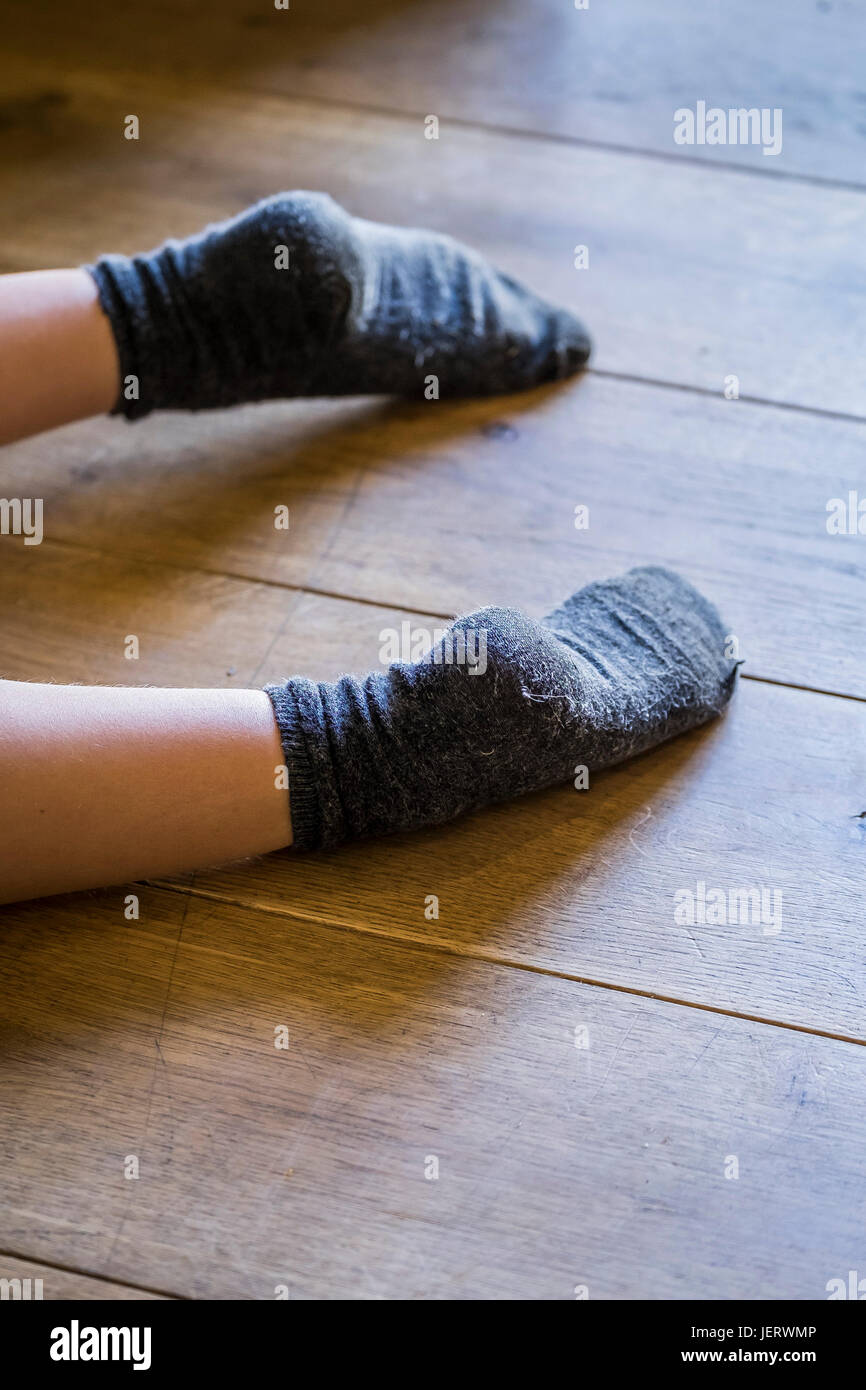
(571, 342)
(544, 343)
(652, 634)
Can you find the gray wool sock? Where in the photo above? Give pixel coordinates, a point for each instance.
(294, 297)
(502, 705)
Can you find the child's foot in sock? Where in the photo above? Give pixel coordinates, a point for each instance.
(296, 298)
(619, 667)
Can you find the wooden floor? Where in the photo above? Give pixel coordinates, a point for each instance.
(556, 1089)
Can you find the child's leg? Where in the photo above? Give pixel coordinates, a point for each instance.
(102, 785)
(58, 361)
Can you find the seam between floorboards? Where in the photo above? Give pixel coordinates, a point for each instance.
(203, 83)
(400, 113)
(808, 689)
(142, 559)
(88, 1274)
(819, 411)
(443, 948)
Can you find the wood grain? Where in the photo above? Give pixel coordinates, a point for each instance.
(67, 612)
(586, 883)
(57, 1283)
(599, 1167)
(559, 1165)
(442, 508)
(695, 273)
(582, 883)
(610, 73)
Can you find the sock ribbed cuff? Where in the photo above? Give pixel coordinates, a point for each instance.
(306, 770)
(129, 293)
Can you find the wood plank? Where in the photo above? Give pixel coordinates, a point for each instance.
(602, 1165)
(67, 612)
(444, 508)
(582, 883)
(49, 1283)
(695, 273)
(586, 883)
(610, 73)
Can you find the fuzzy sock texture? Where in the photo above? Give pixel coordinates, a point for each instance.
(619, 667)
(361, 308)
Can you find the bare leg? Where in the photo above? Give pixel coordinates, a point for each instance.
(100, 785)
(103, 784)
(58, 361)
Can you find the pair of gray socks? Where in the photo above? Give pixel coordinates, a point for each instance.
(296, 298)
